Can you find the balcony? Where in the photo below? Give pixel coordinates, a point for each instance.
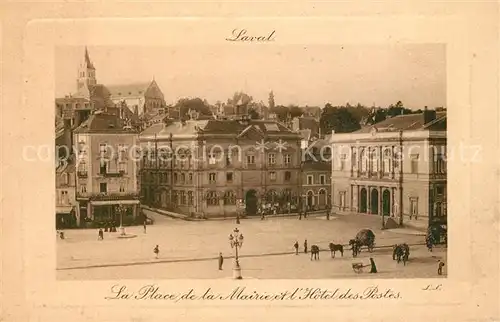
(120, 173)
(104, 196)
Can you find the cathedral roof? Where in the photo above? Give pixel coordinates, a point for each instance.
(127, 90)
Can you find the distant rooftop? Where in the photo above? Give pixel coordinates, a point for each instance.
(101, 122)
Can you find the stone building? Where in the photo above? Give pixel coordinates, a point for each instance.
(395, 168)
(66, 196)
(209, 167)
(316, 175)
(106, 170)
(144, 99)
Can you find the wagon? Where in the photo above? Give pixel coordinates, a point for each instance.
(358, 267)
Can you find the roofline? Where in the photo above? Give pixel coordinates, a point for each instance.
(404, 135)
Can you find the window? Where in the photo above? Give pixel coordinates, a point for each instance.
(439, 164)
(322, 179)
(122, 187)
(175, 197)
(364, 160)
(176, 177)
(414, 163)
(102, 148)
(288, 176)
(439, 190)
(229, 198)
(354, 159)
(183, 178)
(387, 161)
(82, 167)
(271, 158)
(122, 166)
(211, 158)
(183, 198)
(250, 159)
(413, 207)
(212, 199)
(272, 176)
(103, 169)
(190, 178)
(83, 188)
(228, 158)
(397, 160)
(374, 161)
(342, 162)
(229, 177)
(212, 177)
(190, 198)
(64, 197)
(103, 187)
(310, 180)
(438, 211)
(287, 159)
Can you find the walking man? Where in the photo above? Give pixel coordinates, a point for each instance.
(221, 261)
(156, 250)
(100, 234)
(144, 225)
(305, 246)
(440, 267)
(296, 245)
(328, 213)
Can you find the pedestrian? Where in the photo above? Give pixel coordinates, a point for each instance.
(296, 245)
(144, 226)
(100, 234)
(440, 267)
(221, 261)
(373, 266)
(300, 215)
(61, 234)
(305, 246)
(156, 250)
(327, 213)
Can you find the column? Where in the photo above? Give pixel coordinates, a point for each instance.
(380, 162)
(380, 201)
(392, 169)
(393, 192)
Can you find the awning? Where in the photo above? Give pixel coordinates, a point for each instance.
(114, 202)
(63, 210)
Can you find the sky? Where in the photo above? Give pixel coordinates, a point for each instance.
(297, 74)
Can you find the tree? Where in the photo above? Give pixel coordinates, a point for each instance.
(254, 115)
(295, 111)
(196, 104)
(338, 119)
(271, 100)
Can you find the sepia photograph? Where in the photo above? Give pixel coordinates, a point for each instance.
(191, 162)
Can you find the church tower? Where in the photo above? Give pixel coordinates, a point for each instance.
(86, 74)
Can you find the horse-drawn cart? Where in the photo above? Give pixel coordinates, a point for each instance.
(358, 267)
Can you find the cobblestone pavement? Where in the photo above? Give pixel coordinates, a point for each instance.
(187, 241)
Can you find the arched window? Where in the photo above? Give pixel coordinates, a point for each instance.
(190, 198)
(229, 198)
(387, 161)
(374, 160)
(212, 198)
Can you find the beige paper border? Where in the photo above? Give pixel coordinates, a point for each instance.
(472, 99)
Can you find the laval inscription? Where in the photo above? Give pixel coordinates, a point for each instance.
(242, 35)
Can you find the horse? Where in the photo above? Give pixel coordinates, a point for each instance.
(315, 252)
(401, 252)
(336, 247)
(365, 237)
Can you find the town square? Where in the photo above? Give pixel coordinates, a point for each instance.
(151, 183)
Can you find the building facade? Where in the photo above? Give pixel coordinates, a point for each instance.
(395, 168)
(66, 196)
(106, 171)
(316, 175)
(217, 168)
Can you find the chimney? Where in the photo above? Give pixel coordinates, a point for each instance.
(429, 115)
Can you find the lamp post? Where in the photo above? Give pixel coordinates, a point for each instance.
(121, 209)
(236, 241)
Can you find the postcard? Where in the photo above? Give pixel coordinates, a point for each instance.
(301, 167)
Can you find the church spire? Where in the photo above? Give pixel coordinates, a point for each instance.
(86, 74)
(87, 59)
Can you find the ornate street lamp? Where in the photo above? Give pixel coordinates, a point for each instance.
(236, 241)
(121, 209)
